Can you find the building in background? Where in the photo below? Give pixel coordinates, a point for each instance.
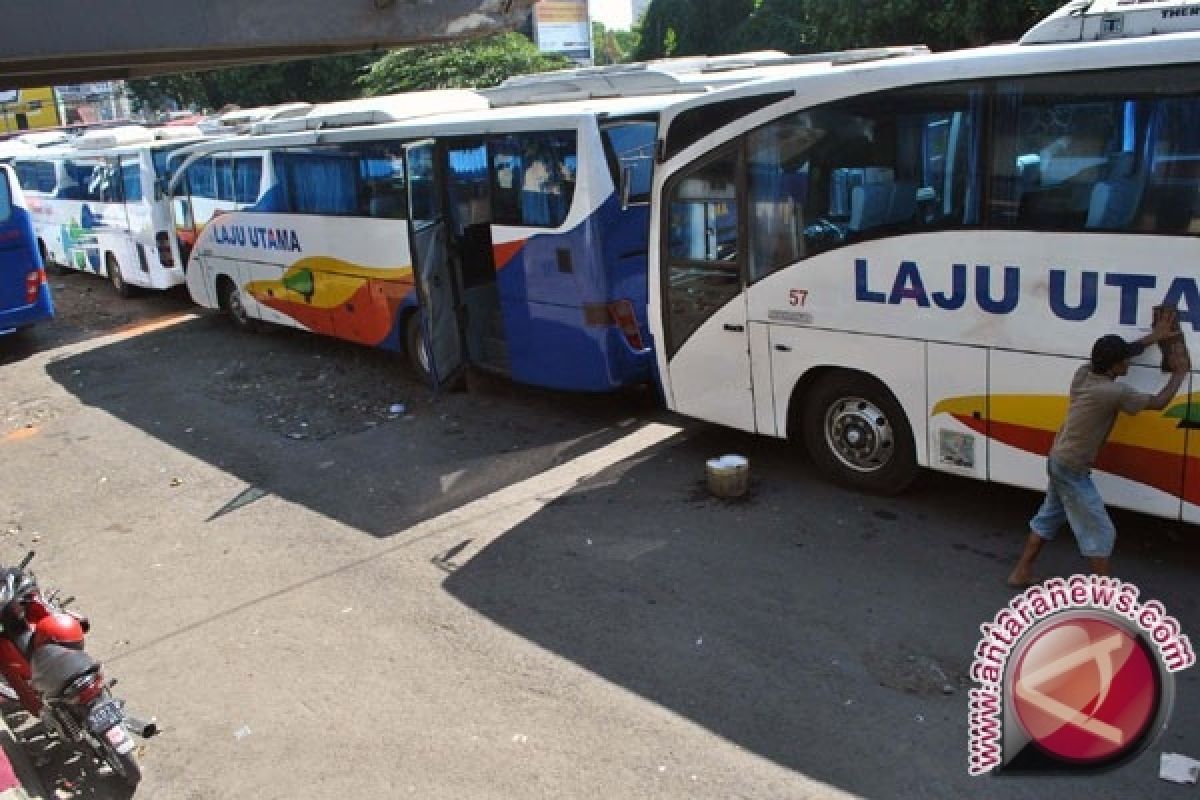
(564, 26)
(28, 109)
(639, 10)
(90, 103)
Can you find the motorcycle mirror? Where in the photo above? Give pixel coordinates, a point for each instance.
(25, 561)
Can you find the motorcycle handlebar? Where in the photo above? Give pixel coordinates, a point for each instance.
(25, 561)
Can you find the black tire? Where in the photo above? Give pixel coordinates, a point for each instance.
(113, 268)
(414, 344)
(124, 765)
(856, 432)
(231, 301)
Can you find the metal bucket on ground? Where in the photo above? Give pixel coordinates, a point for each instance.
(728, 476)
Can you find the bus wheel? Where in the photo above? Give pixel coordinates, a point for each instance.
(418, 352)
(231, 301)
(856, 431)
(115, 276)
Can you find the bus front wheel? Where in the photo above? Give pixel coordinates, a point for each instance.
(856, 431)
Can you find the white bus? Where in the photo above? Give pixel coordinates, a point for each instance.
(903, 262)
(99, 205)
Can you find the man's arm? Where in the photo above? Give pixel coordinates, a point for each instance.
(1179, 370)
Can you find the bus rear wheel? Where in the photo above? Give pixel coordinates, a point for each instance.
(856, 431)
(418, 351)
(113, 268)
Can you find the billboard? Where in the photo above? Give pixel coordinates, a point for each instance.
(563, 26)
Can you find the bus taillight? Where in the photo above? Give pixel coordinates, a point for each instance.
(618, 313)
(626, 320)
(164, 249)
(33, 282)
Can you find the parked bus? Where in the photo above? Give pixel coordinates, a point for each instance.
(24, 294)
(903, 263)
(99, 205)
(526, 220)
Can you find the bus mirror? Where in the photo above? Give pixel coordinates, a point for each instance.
(626, 186)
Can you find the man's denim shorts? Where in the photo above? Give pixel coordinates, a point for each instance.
(1073, 498)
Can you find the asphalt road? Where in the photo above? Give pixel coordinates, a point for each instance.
(501, 593)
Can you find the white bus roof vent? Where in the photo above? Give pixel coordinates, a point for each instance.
(113, 137)
(376, 110)
(1093, 20)
(240, 120)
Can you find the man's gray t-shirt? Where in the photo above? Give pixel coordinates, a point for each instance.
(1095, 401)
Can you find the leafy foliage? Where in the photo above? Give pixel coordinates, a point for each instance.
(710, 27)
(481, 63)
(315, 80)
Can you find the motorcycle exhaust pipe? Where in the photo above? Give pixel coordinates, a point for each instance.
(140, 727)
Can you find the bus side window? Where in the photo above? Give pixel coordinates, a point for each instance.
(131, 181)
(533, 178)
(5, 198)
(385, 192)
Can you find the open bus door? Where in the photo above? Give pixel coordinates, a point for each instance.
(432, 269)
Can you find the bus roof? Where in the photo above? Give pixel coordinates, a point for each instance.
(813, 84)
(1089, 20)
(667, 76)
(458, 123)
(376, 110)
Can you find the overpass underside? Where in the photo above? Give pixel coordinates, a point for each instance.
(55, 42)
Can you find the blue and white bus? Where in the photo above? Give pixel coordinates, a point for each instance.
(99, 205)
(24, 293)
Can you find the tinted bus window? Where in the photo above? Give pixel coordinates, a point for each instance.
(320, 181)
(533, 178)
(131, 182)
(1113, 151)
(631, 146)
(5, 199)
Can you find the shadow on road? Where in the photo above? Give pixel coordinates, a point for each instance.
(65, 773)
(827, 631)
(341, 429)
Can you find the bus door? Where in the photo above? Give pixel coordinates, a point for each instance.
(704, 302)
(469, 204)
(432, 269)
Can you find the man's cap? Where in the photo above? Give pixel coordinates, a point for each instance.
(1110, 350)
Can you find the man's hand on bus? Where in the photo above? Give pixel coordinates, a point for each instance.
(1165, 326)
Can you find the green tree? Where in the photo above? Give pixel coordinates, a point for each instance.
(475, 64)
(691, 27)
(315, 80)
(612, 47)
(694, 27)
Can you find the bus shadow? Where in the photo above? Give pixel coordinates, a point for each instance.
(338, 428)
(827, 631)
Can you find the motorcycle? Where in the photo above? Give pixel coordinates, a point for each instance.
(48, 672)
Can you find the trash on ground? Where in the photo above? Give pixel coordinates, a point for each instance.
(728, 476)
(1178, 768)
(242, 732)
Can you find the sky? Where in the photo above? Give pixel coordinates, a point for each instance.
(614, 14)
